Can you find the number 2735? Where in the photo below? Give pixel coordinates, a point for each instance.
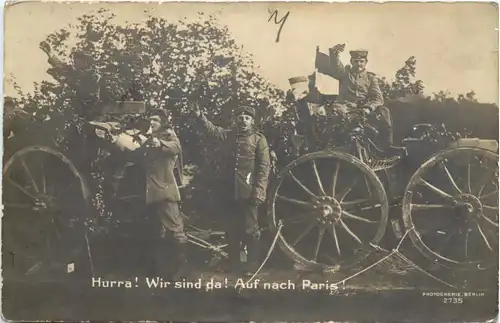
(453, 300)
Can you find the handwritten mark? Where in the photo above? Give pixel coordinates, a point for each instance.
(280, 22)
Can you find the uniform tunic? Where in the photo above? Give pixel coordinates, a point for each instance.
(355, 87)
(162, 191)
(247, 161)
(159, 164)
(358, 89)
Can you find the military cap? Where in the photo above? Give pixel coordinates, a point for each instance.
(247, 110)
(359, 53)
(162, 113)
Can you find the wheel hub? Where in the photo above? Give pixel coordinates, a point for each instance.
(328, 209)
(473, 208)
(43, 203)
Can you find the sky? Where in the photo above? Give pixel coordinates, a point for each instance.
(455, 44)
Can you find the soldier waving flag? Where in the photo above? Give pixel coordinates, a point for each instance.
(359, 88)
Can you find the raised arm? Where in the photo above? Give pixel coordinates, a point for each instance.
(263, 165)
(331, 64)
(337, 69)
(209, 128)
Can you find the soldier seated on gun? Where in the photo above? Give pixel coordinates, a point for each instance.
(359, 89)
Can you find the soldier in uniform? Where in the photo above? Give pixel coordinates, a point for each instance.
(247, 168)
(160, 155)
(359, 89)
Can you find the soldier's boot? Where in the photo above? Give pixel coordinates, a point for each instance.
(386, 137)
(233, 264)
(182, 269)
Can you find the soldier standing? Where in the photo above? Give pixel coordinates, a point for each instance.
(247, 165)
(359, 89)
(161, 154)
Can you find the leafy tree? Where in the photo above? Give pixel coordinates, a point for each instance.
(405, 84)
(167, 64)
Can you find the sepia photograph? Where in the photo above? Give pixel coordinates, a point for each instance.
(252, 161)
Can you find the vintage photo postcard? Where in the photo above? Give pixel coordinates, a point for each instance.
(226, 162)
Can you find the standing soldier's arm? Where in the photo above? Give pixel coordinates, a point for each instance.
(375, 96)
(263, 165)
(213, 131)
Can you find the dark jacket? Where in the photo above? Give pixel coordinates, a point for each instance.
(354, 87)
(159, 164)
(248, 157)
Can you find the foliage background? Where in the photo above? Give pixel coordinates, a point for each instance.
(168, 64)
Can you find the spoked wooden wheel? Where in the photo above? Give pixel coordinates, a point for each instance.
(332, 207)
(45, 206)
(452, 204)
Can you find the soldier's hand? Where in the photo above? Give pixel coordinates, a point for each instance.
(338, 48)
(45, 47)
(195, 108)
(155, 142)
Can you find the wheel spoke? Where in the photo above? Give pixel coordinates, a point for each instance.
(318, 179)
(333, 231)
(450, 178)
(355, 202)
(489, 207)
(436, 190)
(44, 180)
(304, 233)
(21, 188)
(352, 216)
(490, 220)
(294, 201)
(468, 179)
(467, 244)
(370, 207)
(485, 196)
(29, 175)
(368, 187)
(430, 206)
(318, 244)
(334, 179)
(487, 176)
(302, 185)
(350, 232)
(348, 190)
(484, 237)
